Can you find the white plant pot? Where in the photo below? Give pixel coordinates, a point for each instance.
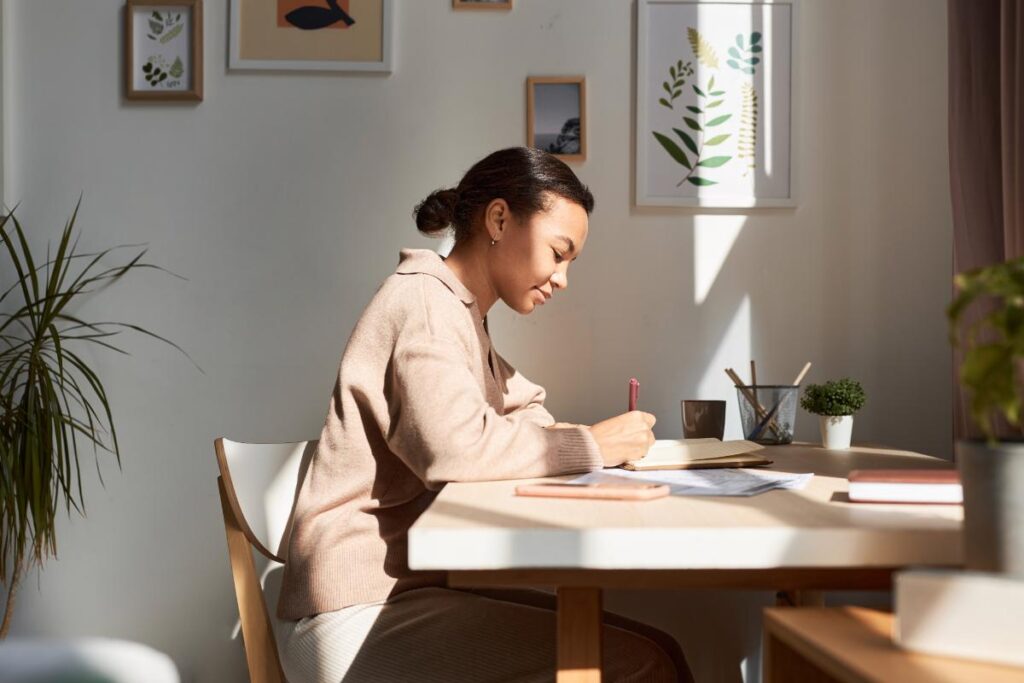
(836, 431)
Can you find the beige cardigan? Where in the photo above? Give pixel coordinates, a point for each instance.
(422, 398)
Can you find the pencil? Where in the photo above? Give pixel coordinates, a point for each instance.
(634, 393)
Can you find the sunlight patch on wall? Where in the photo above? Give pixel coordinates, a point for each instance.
(714, 237)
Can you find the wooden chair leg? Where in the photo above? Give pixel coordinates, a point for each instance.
(257, 633)
(579, 635)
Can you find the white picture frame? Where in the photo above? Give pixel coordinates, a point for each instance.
(750, 48)
(238, 61)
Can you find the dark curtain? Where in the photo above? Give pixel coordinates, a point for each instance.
(986, 143)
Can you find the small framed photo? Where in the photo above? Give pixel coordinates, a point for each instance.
(481, 4)
(556, 118)
(163, 50)
(311, 35)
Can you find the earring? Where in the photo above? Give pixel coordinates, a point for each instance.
(493, 242)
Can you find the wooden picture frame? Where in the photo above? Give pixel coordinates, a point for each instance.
(263, 39)
(552, 129)
(482, 4)
(163, 58)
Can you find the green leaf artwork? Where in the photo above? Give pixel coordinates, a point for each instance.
(172, 33)
(673, 149)
(688, 139)
(747, 141)
(177, 69)
(743, 56)
(702, 49)
(678, 74)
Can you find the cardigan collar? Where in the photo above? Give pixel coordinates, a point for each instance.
(430, 263)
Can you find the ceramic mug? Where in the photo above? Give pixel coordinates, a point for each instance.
(703, 419)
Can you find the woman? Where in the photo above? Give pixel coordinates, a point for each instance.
(422, 398)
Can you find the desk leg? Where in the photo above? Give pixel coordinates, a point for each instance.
(579, 635)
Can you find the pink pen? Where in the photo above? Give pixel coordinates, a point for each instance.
(634, 393)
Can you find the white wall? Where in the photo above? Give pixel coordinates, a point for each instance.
(284, 199)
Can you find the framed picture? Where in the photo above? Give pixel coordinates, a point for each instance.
(481, 4)
(715, 92)
(163, 50)
(556, 115)
(311, 35)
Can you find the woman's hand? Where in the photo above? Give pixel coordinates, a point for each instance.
(624, 437)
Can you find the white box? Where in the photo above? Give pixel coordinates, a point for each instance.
(972, 615)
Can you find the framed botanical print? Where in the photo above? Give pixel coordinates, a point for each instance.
(163, 50)
(311, 35)
(715, 122)
(556, 115)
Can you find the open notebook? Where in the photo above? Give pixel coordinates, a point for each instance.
(682, 454)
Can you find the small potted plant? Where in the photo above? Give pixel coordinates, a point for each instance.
(834, 402)
(991, 465)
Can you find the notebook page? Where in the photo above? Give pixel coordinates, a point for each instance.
(675, 451)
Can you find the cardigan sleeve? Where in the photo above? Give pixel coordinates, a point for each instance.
(444, 430)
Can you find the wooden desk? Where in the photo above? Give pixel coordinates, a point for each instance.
(854, 645)
(781, 540)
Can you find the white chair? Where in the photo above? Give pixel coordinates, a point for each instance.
(258, 485)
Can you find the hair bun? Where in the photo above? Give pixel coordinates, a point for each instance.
(435, 213)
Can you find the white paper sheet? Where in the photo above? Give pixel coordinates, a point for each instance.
(710, 482)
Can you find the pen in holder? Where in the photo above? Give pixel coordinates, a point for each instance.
(768, 412)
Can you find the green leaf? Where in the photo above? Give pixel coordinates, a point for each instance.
(739, 41)
(755, 48)
(697, 180)
(715, 104)
(718, 93)
(698, 91)
(711, 83)
(687, 140)
(672, 72)
(673, 149)
(732, 63)
(753, 60)
(667, 89)
(733, 52)
(719, 120)
(755, 37)
(695, 110)
(663, 101)
(713, 162)
(717, 140)
(691, 123)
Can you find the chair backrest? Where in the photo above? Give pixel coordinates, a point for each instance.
(258, 484)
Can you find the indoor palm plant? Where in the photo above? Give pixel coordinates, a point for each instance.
(992, 467)
(51, 400)
(835, 402)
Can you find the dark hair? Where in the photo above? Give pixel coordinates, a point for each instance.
(520, 175)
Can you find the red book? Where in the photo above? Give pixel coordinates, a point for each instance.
(906, 486)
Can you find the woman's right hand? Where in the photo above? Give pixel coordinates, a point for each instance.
(624, 437)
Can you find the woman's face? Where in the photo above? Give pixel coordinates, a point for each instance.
(531, 259)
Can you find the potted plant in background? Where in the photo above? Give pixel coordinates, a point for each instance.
(835, 402)
(51, 400)
(992, 467)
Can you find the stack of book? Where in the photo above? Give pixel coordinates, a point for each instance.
(906, 486)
